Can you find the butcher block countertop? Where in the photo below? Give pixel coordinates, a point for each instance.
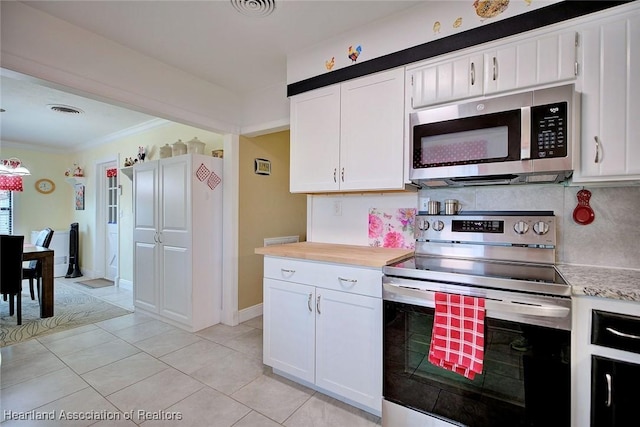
(342, 254)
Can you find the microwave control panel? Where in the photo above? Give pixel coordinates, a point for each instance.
(549, 130)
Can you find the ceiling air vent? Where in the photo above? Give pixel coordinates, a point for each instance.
(64, 109)
(256, 8)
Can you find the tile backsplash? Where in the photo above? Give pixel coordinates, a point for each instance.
(611, 240)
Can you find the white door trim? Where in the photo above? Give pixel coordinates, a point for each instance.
(230, 207)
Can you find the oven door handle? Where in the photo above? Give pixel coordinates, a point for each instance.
(527, 309)
(426, 298)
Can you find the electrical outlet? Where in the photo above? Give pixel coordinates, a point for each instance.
(424, 204)
(337, 208)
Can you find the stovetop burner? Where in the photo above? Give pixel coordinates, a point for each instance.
(530, 273)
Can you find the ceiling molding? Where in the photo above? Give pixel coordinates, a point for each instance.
(124, 133)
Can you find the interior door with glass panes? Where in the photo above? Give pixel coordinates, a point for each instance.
(111, 240)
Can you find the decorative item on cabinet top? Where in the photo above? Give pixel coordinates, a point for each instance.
(165, 151)
(195, 146)
(178, 148)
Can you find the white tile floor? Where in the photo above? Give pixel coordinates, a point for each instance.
(112, 370)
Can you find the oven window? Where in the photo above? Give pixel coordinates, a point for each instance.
(471, 140)
(525, 379)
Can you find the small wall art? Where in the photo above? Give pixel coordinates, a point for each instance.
(262, 166)
(79, 195)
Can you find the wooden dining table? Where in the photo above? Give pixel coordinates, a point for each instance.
(45, 256)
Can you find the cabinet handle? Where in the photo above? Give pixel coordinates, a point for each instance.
(318, 304)
(159, 237)
(495, 68)
(473, 74)
(155, 237)
(597, 159)
(335, 171)
(353, 281)
(608, 378)
(622, 334)
(342, 174)
(284, 270)
(309, 302)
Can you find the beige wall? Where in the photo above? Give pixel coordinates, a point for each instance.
(33, 210)
(267, 209)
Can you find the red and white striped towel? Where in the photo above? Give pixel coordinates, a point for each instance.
(457, 339)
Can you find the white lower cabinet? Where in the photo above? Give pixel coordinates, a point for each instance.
(327, 334)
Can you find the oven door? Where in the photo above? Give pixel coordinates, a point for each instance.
(525, 379)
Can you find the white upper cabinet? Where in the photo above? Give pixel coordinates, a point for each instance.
(349, 137)
(372, 132)
(315, 140)
(610, 87)
(525, 64)
(501, 68)
(457, 79)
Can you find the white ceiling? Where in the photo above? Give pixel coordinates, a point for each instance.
(208, 39)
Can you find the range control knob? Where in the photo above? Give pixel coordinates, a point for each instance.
(423, 224)
(520, 227)
(541, 228)
(437, 225)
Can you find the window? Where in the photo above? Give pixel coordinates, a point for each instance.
(6, 212)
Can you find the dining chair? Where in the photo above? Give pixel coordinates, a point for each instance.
(11, 248)
(34, 270)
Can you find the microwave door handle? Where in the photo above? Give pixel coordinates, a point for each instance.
(525, 133)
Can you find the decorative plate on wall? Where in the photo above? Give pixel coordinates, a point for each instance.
(45, 186)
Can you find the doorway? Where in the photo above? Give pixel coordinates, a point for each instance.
(107, 220)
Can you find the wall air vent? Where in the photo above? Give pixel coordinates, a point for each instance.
(64, 109)
(257, 8)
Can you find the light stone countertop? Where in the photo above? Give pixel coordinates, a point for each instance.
(614, 283)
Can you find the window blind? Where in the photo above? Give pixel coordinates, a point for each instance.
(6, 212)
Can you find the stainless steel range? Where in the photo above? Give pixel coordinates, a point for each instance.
(508, 259)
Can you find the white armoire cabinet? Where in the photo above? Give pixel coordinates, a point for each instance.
(177, 239)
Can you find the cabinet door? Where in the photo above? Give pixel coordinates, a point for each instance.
(349, 346)
(289, 328)
(175, 239)
(176, 300)
(175, 201)
(536, 62)
(372, 131)
(145, 242)
(315, 140)
(614, 393)
(448, 81)
(610, 86)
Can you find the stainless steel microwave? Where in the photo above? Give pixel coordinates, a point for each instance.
(521, 138)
